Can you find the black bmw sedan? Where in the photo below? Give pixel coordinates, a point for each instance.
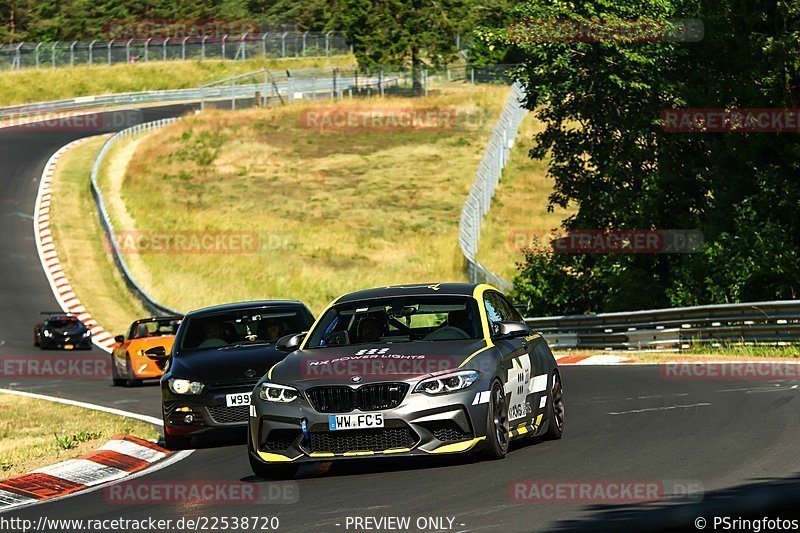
(219, 355)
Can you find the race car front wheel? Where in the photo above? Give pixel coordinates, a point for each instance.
(496, 444)
(555, 411)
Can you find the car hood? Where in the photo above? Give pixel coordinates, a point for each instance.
(146, 343)
(246, 364)
(370, 363)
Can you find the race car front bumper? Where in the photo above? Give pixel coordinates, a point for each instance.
(421, 425)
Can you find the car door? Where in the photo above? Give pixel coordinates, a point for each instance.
(516, 361)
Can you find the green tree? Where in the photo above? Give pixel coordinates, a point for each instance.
(610, 157)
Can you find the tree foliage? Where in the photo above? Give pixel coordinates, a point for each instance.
(610, 157)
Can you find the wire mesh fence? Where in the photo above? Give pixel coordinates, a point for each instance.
(235, 48)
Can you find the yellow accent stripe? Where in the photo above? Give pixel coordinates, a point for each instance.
(316, 322)
(457, 446)
(356, 454)
(276, 458)
(397, 450)
(269, 374)
(321, 454)
(468, 359)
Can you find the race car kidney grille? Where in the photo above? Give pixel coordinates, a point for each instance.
(361, 440)
(229, 415)
(373, 397)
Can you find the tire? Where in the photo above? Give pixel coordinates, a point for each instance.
(130, 379)
(555, 409)
(36, 340)
(115, 379)
(496, 445)
(267, 471)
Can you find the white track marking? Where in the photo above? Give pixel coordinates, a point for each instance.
(144, 418)
(667, 408)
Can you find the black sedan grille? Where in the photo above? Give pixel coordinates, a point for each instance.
(361, 440)
(232, 386)
(373, 397)
(229, 415)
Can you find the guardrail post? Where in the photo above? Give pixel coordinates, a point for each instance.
(304, 43)
(328, 44)
(183, 48)
(37, 54)
(147, 49)
(164, 47)
(72, 53)
(91, 52)
(109, 50)
(283, 44)
(264, 44)
(203, 48)
(224, 38)
(243, 47)
(53, 53)
(128, 58)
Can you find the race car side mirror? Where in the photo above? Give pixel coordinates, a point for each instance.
(290, 343)
(119, 338)
(508, 330)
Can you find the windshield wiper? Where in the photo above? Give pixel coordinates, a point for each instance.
(243, 345)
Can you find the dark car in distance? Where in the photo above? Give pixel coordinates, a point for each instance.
(218, 356)
(62, 331)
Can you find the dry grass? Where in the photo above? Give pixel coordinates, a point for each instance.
(335, 211)
(32, 85)
(81, 250)
(519, 208)
(36, 433)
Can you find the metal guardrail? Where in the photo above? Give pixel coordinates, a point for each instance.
(282, 44)
(479, 200)
(676, 328)
(150, 304)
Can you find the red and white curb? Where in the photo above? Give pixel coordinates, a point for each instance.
(46, 246)
(591, 360)
(118, 458)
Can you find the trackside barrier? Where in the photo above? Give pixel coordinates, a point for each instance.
(479, 200)
(678, 328)
(150, 304)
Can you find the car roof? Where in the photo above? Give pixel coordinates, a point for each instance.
(414, 289)
(245, 305)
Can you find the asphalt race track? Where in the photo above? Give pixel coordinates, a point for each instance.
(736, 438)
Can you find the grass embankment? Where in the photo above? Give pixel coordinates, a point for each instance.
(520, 207)
(36, 433)
(335, 211)
(81, 249)
(46, 84)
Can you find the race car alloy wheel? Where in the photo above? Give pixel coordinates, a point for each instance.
(496, 424)
(556, 410)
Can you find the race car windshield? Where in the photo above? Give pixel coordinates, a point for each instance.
(240, 328)
(60, 323)
(398, 319)
(154, 328)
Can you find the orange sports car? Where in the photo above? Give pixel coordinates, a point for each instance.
(143, 353)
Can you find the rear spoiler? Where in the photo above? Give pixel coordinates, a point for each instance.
(56, 313)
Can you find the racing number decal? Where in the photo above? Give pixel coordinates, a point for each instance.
(519, 376)
(373, 351)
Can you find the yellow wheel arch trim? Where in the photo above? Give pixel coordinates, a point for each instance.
(457, 446)
(276, 458)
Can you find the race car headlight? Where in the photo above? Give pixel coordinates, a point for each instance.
(450, 382)
(46, 333)
(277, 393)
(184, 386)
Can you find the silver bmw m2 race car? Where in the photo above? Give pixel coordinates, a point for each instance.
(404, 371)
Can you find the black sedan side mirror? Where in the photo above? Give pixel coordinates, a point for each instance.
(508, 330)
(290, 343)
